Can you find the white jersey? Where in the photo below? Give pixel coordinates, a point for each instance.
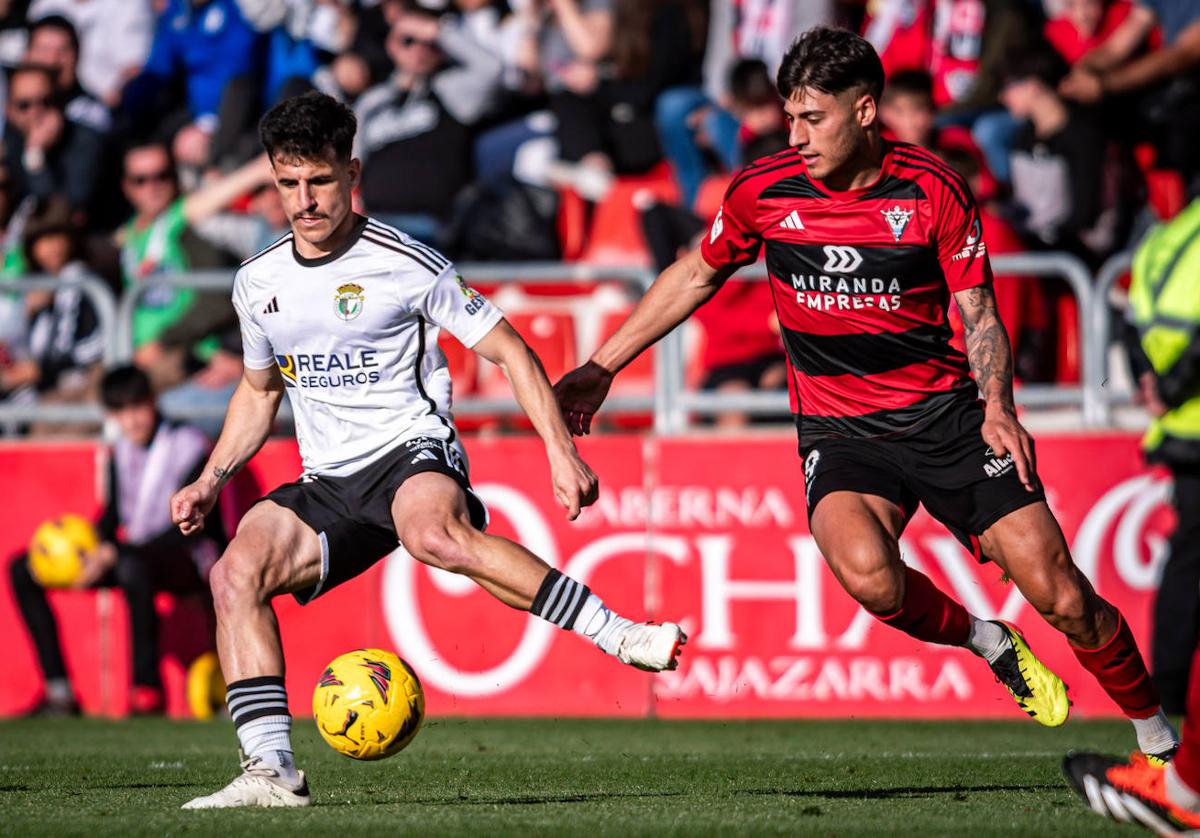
(354, 334)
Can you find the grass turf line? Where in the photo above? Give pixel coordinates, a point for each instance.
(568, 777)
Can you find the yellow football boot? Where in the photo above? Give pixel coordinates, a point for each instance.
(1037, 690)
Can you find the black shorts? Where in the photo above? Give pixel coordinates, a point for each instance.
(945, 465)
(352, 515)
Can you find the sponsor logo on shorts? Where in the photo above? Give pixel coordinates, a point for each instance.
(810, 469)
(996, 466)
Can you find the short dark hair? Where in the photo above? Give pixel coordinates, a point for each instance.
(831, 61)
(307, 127)
(750, 83)
(124, 386)
(1040, 64)
(61, 24)
(910, 83)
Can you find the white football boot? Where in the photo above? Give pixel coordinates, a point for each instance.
(258, 785)
(650, 646)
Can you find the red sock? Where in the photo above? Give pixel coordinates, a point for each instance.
(1119, 668)
(1187, 760)
(928, 614)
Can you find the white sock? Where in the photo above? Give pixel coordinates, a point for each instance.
(270, 739)
(1179, 792)
(1155, 734)
(599, 624)
(987, 640)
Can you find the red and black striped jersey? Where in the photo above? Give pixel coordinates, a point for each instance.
(862, 281)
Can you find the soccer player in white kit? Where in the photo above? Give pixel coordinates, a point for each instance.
(343, 314)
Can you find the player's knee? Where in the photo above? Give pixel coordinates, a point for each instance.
(237, 580)
(876, 591)
(446, 545)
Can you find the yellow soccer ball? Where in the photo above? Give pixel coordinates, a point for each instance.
(368, 704)
(57, 550)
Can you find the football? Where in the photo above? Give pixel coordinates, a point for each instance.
(368, 704)
(57, 549)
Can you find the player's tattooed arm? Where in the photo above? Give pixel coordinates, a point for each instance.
(991, 359)
(988, 349)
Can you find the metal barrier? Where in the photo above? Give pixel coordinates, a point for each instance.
(106, 320)
(684, 402)
(672, 403)
(1110, 273)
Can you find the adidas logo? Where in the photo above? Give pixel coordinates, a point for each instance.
(792, 222)
(424, 455)
(272, 306)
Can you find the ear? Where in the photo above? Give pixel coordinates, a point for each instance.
(354, 170)
(866, 109)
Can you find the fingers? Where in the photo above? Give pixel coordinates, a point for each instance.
(573, 507)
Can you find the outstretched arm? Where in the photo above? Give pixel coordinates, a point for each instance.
(575, 485)
(248, 421)
(679, 290)
(990, 355)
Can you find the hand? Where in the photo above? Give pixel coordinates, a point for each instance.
(46, 131)
(579, 77)
(191, 503)
(1004, 434)
(575, 484)
(580, 394)
(1082, 85)
(1147, 395)
(96, 564)
(192, 145)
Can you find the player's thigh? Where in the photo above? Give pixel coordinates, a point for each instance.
(858, 534)
(1029, 545)
(431, 515)
(273, 552)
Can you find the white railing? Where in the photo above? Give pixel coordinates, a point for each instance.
(672, 403)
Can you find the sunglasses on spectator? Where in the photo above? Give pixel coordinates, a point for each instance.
(29, 104)
(412, 40)
(149, 177)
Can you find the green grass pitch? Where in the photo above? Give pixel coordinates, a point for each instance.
(568, 777)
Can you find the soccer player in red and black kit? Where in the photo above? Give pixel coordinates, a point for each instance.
(866, 242)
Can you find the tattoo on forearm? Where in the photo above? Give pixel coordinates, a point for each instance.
(222, 473)
(988, 349)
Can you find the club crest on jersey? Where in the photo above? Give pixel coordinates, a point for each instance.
(897, 219)
(348, 303)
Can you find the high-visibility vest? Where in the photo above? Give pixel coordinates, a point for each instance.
(1165, 296)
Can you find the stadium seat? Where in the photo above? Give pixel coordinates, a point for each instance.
(551, 334)
(1166, 191)
(637, 379)
(1067, 361)
(463, 364)
(710, 195)
(615, 233)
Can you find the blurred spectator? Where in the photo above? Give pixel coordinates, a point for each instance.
(1083, 25)
(415, 128)
(1165, 356)
(46, 153)
(1023, 302)
(54, 44)
(113, 40)
(1057, 159)
(695, 123)
(1166, 81)
(64, 344)
(207, 44)
(742, 350)
(907, 108)
(754, 102)
(173, 328)
(141, 551)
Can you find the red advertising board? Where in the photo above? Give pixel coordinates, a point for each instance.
(708, 531)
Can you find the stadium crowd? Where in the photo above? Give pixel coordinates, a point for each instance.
(519, 130)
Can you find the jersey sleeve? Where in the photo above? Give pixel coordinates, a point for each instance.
(256, 347)
(732, 240)
(962, 252)
(458, 308)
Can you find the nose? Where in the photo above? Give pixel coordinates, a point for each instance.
(307, 199)
(798, 134)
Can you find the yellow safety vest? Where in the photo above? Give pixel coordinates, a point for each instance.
(1165, 295)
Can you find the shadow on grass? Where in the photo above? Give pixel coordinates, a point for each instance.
(900, 792)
